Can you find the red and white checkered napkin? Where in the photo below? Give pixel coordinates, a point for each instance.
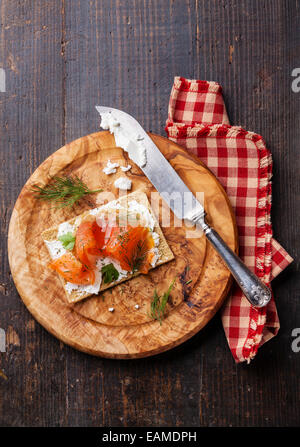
(198, 121)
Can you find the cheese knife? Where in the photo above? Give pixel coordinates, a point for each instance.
(185, 206)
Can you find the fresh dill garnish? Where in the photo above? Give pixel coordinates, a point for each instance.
(138, 256)
(188, 282)
(110, 273)
(158, 304)
(63, 191)
(68, 241)
(123, 238)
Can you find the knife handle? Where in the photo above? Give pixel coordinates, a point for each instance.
(257, 293)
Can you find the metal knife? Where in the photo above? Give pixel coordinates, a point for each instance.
(167, 182)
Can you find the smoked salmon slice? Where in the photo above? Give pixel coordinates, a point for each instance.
(72, 270)
(86, 245)
(131, 247)
(90, 242)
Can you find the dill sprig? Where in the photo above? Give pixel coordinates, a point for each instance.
(63, 191)
(158, 304)
(138, 256)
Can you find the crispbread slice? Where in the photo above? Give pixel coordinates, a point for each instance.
(165, 253)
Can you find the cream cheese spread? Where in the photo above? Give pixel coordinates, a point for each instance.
(142, 214)
(56, 249)
(125, 138)
(65, 228)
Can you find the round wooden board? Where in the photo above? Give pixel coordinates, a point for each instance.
(128, 332)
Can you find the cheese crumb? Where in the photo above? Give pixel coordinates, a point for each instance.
(137, 306)
(125, 168)
(110, 168)
(111, 309)
(123, 183)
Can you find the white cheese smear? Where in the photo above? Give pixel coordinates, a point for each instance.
(126, 138)
(65, 228)
(141, 213)
(155, 257)
(56, 249)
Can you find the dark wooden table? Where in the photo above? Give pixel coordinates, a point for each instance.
(61, 57)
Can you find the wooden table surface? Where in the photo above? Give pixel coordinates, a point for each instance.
(63, 57)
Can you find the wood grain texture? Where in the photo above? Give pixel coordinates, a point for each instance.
(63, 57)
(125, 333)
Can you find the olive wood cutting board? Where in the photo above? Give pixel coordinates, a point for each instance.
(201, 279)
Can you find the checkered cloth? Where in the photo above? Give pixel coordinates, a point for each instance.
(198, 121)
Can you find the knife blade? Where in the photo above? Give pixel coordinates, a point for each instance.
(186, 206)
(159, 171)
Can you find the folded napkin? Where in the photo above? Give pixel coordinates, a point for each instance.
(198, 120)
